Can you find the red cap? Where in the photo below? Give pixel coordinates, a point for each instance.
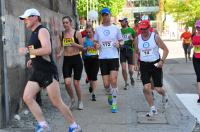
(144, 24)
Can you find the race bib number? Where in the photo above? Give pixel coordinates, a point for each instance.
(125, 37)
(106, 44)
(92, 52)
(187, 41)
(197, 49)
(147, 52)
(68, 41)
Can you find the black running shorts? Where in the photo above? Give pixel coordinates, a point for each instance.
(148, 71)
(108, 65)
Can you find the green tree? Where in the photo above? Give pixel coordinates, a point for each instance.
(185, 11)
(114, 5)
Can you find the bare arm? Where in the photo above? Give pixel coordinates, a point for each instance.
(162, 45)
(80, 40)
(44, 38)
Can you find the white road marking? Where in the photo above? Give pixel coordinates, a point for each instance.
(190, 102)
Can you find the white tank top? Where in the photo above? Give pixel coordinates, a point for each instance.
(107, 37)
(149, 50)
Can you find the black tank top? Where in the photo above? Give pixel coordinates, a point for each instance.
(41, 63)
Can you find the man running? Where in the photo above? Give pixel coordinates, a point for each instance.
(44, 73)
(107, 38)
(147, 45)
(126, 51)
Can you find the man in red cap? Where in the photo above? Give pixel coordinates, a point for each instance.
(147, 45)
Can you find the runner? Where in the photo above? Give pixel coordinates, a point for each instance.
(126, 51)
(186, 37)
(71, 42)
(91, 61)
(196, 56)
(147, 45)
(107, 38)
(44, 73)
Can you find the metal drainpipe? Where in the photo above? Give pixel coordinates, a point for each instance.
(1, 76)
(5, 102)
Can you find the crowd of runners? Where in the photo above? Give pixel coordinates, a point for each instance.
(104, 48)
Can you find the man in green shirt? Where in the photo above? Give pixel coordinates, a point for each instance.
(126, 51)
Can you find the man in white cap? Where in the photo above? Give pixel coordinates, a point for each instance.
(44, 73)
(126, 51)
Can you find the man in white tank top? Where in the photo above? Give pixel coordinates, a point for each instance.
(147, 45)
(107, 38)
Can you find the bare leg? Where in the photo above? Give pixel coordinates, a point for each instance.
(78, 89)
(69, 87)
(55, 97)
(31, 89)
(148, 94)
(124, 73)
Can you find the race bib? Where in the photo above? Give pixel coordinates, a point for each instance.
(197, 49)
(68, 41)
(146, 52)
(126, 37)
(106, 44)
(187, 41)
(92, 52)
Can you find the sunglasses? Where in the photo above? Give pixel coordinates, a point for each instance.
(144, 28)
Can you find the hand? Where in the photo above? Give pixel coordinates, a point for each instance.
(22, 50)
(116, 44)
(58, 55)
(130, 37)
(96, 45)
(160, 64)
(29, 64)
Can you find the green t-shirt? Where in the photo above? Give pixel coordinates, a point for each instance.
(126, 32)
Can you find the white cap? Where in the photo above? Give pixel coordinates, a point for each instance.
(29, 12)
(123, 19)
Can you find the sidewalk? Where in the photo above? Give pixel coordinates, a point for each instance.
(97, 117)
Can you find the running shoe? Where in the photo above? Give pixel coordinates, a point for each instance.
(72, 103)
(152, 112)
(39, 128)
(93, 97)
(126, 86)
(165, 101)
(132, 81)
(80, 105)
(114, 108)
(77, 129)
(90, 89)
(110, 99)
(198, 101)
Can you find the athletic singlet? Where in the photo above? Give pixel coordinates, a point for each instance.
(107, 37)
(149, 50)
(68, 41)
(196, 45)
(89, 43)
(41, 63)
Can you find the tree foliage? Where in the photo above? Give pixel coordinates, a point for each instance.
(185, 11)
(114, 5)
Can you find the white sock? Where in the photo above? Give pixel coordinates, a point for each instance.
(153, 107)
(114, 95)
(43, 123)
(73, 125)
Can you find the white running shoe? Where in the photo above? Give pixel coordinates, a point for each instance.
(80, 105)
(152, 112)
